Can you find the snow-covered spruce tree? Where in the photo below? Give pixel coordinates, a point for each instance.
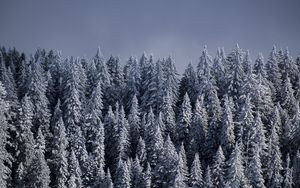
(227, 128)
(165, 170)
(169, 117)
(260, 137)
(214, 112)
(134, 122)
(74, 171)
(114, 93)
(254, 167)
(273, 73)
(235, 73)
(5, 157)
(182, 163)
(288, 99)
(110, 130)
(59, 162)
(218, 72)
(133, 81)
(218, 169)
(108, 181)
(274, 163)
(178, 181)
(37, 94)
(122, 177)
(147, 177)
(203, 67)
(141, 151)
(187, 83)
(38, 174)
(137, 173)
(123, 143)
(296, 169)
(196, 179)
(288, 174)
(198, 131)
(184, 121)
(171, 79)
(94, 135)
(245, 121)
(208, 183)
(154, 140)
(25, 141)
(153, 95)
(235, 176)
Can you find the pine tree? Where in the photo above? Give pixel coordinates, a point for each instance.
(218, 169)
(122, 176)
(187, 83)
(137, 174)
(169, 117)
(38, 174)
(254, 166)
(288, 178)
(154, 140)
(296, 168)
(59, 152)
(147, 177)
(184, 122)
(227, 129)
(141, 151)
(134, 122)
(208, 180)
(5, 157)
(273, 73)
(235, 173)
(182, 163)
(198, 131)
(196, 180)
(165, 170)
(179, 180)
(274, 163)
(75, 172)
(236, 74)
(108, 180)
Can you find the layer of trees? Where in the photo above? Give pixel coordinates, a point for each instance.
(100, 122)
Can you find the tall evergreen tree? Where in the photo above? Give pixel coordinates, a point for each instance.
(5, 157)
(218, 169)
(235, 172)
(184, 121)
(196, 179)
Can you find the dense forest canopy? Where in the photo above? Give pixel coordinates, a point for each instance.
(228, 122)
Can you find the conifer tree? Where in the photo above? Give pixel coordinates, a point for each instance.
(227, 129)
(75, 172)
(288, 178)
(235, 173)
(274, 177)
(134, 122)
(5, 157)
(218, 169)
(196, 179)
(184, 122)
(122, 175)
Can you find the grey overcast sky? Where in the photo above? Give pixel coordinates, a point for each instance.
(162, 27)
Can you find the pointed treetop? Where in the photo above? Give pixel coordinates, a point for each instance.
(99, 52)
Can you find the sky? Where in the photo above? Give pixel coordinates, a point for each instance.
(158, 27)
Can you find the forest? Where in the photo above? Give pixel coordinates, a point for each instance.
(229, 121)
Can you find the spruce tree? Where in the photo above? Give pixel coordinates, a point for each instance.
(196, 179)
(218, 169)
(5, 157)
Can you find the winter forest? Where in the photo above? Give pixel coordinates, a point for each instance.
(229, 121)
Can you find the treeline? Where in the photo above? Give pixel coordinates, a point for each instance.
(228, 122)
